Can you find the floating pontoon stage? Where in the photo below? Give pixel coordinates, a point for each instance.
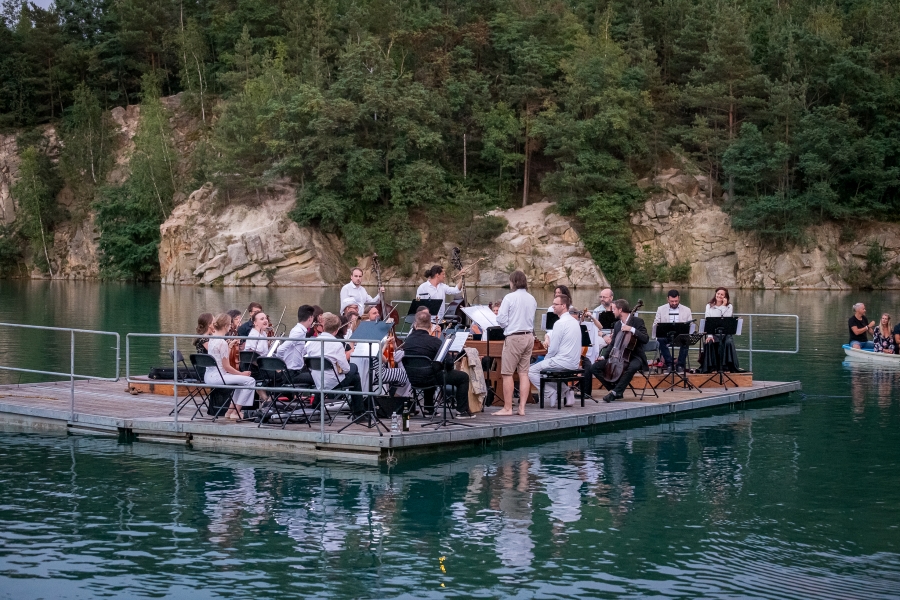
(106, 408)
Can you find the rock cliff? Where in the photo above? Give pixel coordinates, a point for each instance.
(682, 222)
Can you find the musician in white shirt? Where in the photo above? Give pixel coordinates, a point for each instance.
(606, 299)
(436, 289)
(226, 374)
(347, 373)
(257, 338)
(672, 312)
(293, 350)
(516, 316)
(355, 290)
(564, 351)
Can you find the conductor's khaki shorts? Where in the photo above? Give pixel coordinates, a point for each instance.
(516, 356)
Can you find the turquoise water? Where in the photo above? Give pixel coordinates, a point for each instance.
(795, 497)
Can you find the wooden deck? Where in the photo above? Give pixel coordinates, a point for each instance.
(109, 409)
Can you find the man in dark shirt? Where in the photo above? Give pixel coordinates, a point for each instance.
(420, 343)
(860, 327)
(244, 328)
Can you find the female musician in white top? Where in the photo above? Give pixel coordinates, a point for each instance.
(218, 349)
(719, 306)
(257, 337)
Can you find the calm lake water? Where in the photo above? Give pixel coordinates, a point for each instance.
(795, 497)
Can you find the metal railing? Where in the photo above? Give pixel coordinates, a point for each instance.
(320, 390)
(71, 374)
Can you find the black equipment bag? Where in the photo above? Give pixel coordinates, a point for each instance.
(167, 373)
(385, 406)
(219, 400)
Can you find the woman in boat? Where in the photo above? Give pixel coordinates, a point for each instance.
(884, 336)
(218, 349)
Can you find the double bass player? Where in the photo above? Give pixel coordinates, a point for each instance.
(626, 322)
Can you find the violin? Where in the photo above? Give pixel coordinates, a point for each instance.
(620, 354)
(388, 313)
(234, 350)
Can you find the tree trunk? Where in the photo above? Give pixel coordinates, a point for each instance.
(464, 156)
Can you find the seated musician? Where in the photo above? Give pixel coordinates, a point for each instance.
(393, 377)
(719, 306)
(218, 349)
(860, 328)
(204, 330)
(564, 351)
(258, 342)
(638, 359)
(560, 290)
(293, 350)
(252, 309)
(420, 342)
(477, 333)
(347, 373)
(672, 312)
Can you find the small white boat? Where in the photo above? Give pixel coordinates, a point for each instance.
(870, 356)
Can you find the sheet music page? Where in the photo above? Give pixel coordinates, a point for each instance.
(482, 315)
(445, 347)
(459, 340)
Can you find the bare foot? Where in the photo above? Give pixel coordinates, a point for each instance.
(504, 413)
(521, 413)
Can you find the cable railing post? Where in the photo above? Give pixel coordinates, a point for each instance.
(72, 374)
(322, 387)
(175, 376)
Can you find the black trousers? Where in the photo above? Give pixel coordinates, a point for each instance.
(619, 387)
(461, 381)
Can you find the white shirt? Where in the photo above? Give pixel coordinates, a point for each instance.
(258, 343)
(291, 351)
(565, 343)
(426, 291)
(333, 352)
(517, 312)
(219, 350)
(358, 293)
(719, 311)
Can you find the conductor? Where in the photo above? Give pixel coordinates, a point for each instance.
(625, 323)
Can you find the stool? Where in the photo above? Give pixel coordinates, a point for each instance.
(559, 377)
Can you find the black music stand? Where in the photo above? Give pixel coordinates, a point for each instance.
(607, 320)
(681, 333)
(370, 330)
(721, 326)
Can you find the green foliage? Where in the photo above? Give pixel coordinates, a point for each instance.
(10, 250)
(87, 142)
(872, 273)
(129, 216)
(483, 231)
(35, 192)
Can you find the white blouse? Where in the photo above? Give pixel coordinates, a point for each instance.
(218, 349)
(719, 311)
(260, 345)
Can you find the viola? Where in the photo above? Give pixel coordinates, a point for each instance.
(388, 313)
(620, 354)
(234, 350)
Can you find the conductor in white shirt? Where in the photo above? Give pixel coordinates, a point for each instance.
(347, 373)
(355, 290)
(673, 312)
(435, 288)
(516, 316)
(564, 351)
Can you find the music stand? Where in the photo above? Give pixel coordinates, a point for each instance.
(680, 332)
(607, 320)
(721, 326)
(370, 330)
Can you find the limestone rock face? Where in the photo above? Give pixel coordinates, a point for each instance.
(249, 242)
(545, 246)
(680, 222)
(9, 171)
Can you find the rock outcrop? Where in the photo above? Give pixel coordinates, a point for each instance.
(9, 171)
(680, 221)
(542, 244)
(248, 242)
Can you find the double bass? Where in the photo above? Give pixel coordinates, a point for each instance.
(456, 261)
(620, 354)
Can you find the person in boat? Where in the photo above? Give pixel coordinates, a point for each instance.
(883, 336)
(860, 328)
(204, 330)
(218, 349)
(896, 334)
(719, 306)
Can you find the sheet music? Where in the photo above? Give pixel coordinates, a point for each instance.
(459, 340)
(693, 329)
(445, 347)
(482, 315)
(740, 326)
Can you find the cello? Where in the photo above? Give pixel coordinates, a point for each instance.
(620, 353)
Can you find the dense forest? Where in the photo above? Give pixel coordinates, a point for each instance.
(383, 112)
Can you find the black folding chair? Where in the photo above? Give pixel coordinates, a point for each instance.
(651, 346)
(314, 363)
(274, 370)
(206, 361)
(425, 374)
(193, 377)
